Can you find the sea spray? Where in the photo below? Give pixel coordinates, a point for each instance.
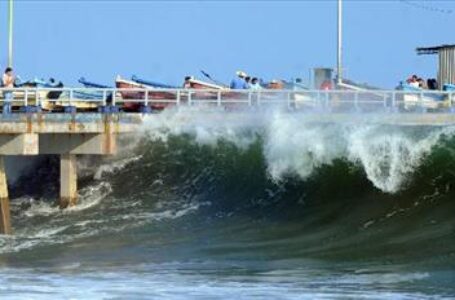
(388, 154)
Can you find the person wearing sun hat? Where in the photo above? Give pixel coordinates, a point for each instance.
(239, 82)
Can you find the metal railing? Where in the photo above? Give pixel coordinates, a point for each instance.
(335, 101)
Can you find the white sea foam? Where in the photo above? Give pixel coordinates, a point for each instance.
(88, 197)
(58, 230)
(388, 154)
(113, 167)
(207, 127)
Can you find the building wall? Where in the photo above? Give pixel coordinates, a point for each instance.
(446, 73)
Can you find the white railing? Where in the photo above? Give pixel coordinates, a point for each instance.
(342, 101)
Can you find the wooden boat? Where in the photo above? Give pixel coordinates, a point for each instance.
(40, 97)
(196, 84)
(193, 83)
(90, 84)
(95, 94)
(51, 100)
(152, 84)
(58, 100)
(153, 96)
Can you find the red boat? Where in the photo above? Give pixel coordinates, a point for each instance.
(196, 84)
(192, 83)
(139, 94)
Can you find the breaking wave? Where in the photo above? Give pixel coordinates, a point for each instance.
(227, 186)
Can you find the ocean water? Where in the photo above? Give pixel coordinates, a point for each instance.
(199, 205)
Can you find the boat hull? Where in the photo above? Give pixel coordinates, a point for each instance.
(154, 97)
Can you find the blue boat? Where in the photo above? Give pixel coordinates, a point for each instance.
(153, 84)
(90, 84)
(40, 83)
(96, 95)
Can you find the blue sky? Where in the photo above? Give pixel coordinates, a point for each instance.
(166, 40)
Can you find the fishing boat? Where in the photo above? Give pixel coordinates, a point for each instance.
(90, 84)
(79, 99)
(152, 84)
(98, 95)
(52, 100)
(132, 90)
(193, 83)
(41, 96)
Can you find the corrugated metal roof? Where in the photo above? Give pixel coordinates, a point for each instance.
(433, 50)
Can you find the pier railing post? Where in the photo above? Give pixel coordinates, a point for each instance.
(68, 180)
(114, 94)
(5, 221)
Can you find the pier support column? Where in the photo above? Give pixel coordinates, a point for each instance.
(5, 221)
(68, 180)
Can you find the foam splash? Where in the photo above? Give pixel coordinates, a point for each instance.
(113, 167)
(88, 197)
(388, 154)
(51, 225)
(388, 158)
(294, 148)
(207, 127)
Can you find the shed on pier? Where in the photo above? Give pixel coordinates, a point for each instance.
(446, 68)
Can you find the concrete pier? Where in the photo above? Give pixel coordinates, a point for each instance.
(68, 180)
(5, 220)
(66, 135)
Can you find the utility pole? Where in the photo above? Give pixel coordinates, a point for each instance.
(340, 43)
(10, 33)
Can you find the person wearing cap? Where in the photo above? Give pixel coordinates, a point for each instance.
(239, 82)
(8, 82)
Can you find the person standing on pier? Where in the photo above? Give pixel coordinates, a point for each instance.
(255, 84)
(239, 82)
(8, 82)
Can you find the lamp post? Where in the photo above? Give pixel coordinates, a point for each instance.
(339, 43)
(10, 33)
